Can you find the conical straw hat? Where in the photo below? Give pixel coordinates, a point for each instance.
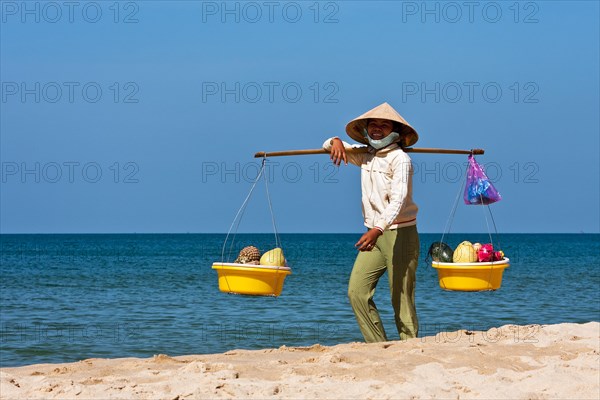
(356, 127)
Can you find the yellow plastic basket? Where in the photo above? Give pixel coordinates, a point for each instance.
(471, 277)
(250, 279)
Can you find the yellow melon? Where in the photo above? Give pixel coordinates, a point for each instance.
(464, 253)
(273, 258)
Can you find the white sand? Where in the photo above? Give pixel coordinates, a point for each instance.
(517, 362)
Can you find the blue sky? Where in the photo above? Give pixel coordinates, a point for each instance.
(144, 116)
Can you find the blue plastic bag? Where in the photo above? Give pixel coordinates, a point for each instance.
(479, 189)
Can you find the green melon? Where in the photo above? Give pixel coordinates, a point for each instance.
(441, 252)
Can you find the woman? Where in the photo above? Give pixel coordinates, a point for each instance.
(391, 242)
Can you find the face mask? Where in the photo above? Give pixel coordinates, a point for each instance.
(381, 143)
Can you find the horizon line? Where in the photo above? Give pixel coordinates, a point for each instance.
(285, 233)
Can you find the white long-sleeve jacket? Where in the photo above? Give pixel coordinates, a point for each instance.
(386, 183)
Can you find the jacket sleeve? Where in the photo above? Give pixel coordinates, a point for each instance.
(401, 168)
(353, 158)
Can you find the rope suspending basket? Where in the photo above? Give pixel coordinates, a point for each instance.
(471, 267)
(252, 273)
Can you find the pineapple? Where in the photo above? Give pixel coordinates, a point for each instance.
(248, 255)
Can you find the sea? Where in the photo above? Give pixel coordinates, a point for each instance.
(70, 297)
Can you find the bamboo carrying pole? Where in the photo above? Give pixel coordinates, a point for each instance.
(364, 150)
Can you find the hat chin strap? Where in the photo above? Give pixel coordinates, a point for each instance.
(381, 143)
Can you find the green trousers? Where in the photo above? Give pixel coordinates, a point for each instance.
(397, 252)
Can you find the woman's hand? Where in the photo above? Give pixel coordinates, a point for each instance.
(368, 240)
(337, 154)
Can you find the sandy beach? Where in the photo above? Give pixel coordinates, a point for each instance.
(518, 362)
